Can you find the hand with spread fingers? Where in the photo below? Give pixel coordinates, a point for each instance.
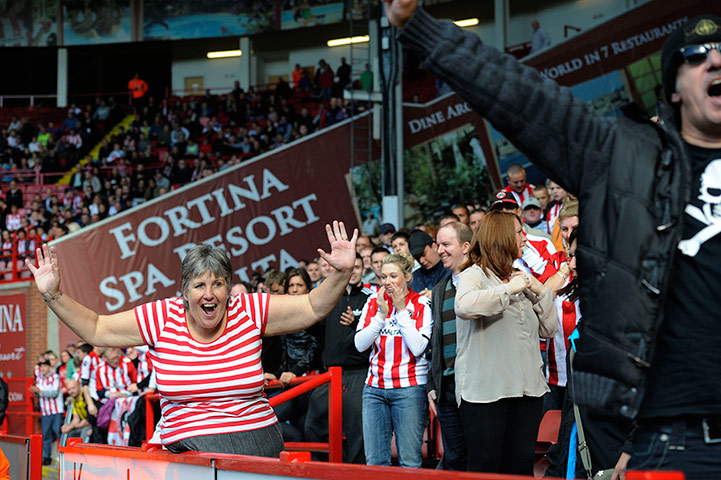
(342, 250)
(47, 273)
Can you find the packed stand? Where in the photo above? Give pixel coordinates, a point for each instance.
(171, 143)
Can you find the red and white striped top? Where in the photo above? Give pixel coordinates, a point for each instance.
(539, 258)
(392, 363)
(208, 388)
(115, 379)
(569, 314)
(521, 197)
(48, 385)
(88, 372)
(551, 217)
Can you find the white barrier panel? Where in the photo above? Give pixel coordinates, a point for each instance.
(17, 454)
(77, 465)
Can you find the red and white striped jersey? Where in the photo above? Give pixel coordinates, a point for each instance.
(569, 314)
(88, 371)
(392, 364)
(145, 366)
(208, 388)
(521, 197)
(551, 217)
(47, 385)
(115, 379)
(372, 287)
(539, 258)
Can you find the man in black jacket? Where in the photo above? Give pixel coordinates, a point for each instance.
(339, 351)
(454, 240)
(649, 245)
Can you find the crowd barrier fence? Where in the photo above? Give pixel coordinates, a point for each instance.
(301, 385)
(25, 455)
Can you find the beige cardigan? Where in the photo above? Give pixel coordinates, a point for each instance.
(497, 338)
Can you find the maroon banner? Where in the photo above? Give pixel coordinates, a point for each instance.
(422, 123)
(13, 337)
(618, 42)
(270, 212)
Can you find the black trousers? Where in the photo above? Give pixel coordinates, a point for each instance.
(316, 421)
(501, 436)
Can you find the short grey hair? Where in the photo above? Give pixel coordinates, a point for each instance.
(202, 259)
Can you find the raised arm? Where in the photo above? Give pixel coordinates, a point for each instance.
(558, 132)
(117, 330)
(290, 313)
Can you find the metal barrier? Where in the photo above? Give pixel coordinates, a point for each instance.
(334, 376)
(99, 462)
(25, 455)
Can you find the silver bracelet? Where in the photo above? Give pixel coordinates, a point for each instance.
(51, 298)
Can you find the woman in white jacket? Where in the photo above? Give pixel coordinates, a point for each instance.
(499, 371)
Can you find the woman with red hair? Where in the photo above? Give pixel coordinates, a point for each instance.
(499, 371)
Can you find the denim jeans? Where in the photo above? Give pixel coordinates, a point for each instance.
(400, 410)
(454, 441)
(676, 445)
(51, 431)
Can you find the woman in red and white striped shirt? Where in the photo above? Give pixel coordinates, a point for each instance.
(205, 345)
(397, 323)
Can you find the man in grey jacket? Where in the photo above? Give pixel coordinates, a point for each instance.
(649, 245)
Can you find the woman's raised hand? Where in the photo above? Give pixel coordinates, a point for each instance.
(47, 273)
(342, 250)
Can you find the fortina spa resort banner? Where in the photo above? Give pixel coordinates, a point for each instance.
(270, 212)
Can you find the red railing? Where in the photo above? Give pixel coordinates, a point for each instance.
(12, 262)
(301, 385)
(24, 409)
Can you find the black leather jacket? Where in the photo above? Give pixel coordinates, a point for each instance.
(632, 179)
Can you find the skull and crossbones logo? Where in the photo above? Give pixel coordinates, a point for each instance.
(710, 213)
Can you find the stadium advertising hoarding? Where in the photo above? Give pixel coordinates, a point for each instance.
(609, 67)
(268, 213)
(13, 337)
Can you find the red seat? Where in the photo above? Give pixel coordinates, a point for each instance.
(548, 431)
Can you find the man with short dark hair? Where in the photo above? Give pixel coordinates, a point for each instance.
(424, 249)
(339, 351)
(386, 233)
(377, 256)
(448, 218)
(516, 178)
(651, 226)
(461, 211)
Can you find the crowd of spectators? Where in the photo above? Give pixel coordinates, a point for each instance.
(170, 143)
(437, 253)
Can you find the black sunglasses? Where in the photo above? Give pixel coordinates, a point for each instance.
(697, 54)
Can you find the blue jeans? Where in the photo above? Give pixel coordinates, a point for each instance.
(400, 410)
(676, 445)
(51, 431)
(454, 441)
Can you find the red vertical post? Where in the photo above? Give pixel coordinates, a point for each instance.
(36, 457)
(149, 419)
(335, 415)
(29, 418)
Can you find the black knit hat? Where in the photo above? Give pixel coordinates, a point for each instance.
(698, 30)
